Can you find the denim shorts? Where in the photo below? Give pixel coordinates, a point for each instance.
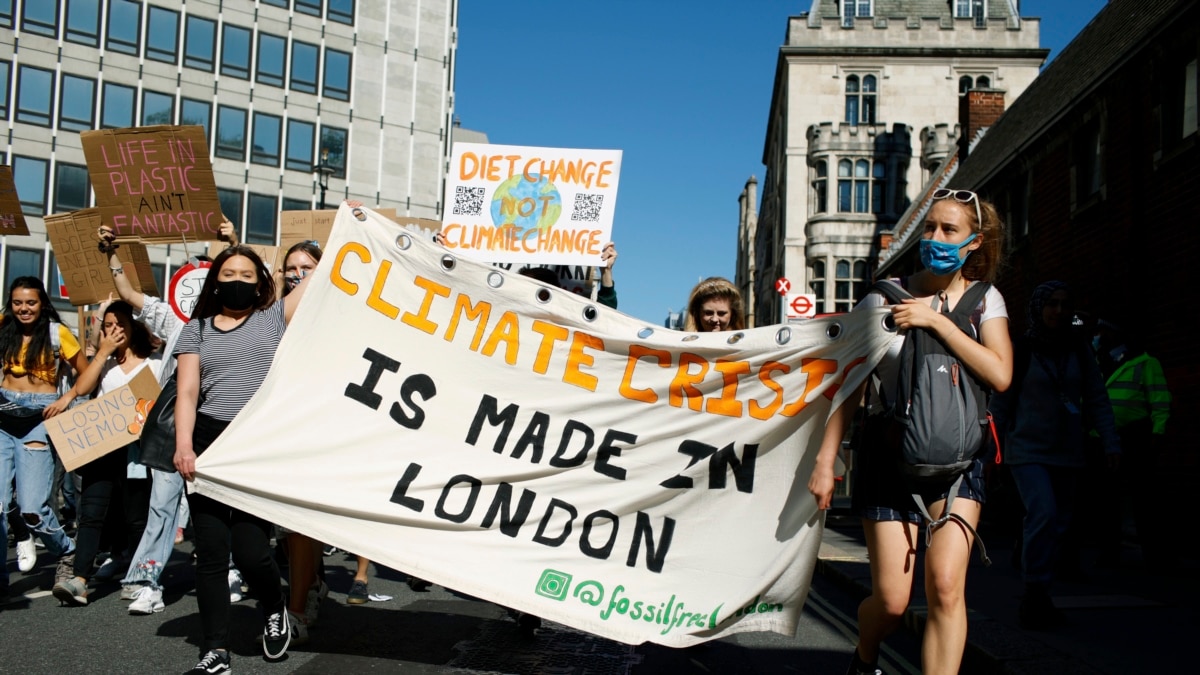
(879, 492)
(27, 428)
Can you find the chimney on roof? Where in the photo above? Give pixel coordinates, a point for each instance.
(977, 109)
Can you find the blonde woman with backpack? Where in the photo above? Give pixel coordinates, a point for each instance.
(961, 245)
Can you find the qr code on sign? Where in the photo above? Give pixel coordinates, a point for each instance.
(468, 201)
(587, 207)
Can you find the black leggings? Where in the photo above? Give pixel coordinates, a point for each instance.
(219, 531)
(105, 485)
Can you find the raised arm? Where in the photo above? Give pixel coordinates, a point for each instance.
(125, 290)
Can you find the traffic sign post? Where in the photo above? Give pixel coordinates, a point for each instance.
(801, 306)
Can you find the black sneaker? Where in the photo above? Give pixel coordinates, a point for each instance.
(214, 661)
(358, 593)
(277, 634)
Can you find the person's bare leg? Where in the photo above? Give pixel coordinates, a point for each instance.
(946, 562)
(302, 570)
(892, 548)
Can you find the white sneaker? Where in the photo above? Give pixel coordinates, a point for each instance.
(235, 586)
(146, 601)
(26, 554)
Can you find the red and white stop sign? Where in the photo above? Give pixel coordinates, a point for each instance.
(782, 285)
(185, 287)
(801, 306)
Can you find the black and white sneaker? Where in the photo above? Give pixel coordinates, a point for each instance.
(214, 661)
(277, 634)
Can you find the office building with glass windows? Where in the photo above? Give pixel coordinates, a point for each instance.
(280, 86)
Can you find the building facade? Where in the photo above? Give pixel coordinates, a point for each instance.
(1094, 171)
(365, 88)
(864, 109)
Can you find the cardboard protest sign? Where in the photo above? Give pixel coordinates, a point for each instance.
(154, 183)
(298, 226)
(12, 219)
(101, 425)
(84, 268)
(638, 483)
(515, 204)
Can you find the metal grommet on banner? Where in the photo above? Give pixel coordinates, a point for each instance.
(403, 241)
(495, 279)
(783, 335)
(834, 331)
(735, 338)
(542, 295)
(590, 313)
(889, 323)
(689, 338)
(448, 262)
(645, 332)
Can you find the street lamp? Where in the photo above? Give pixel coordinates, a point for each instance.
(323, 171)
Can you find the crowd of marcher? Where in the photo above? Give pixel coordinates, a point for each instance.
(1059, 401)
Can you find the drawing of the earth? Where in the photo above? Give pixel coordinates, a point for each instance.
(526, 204)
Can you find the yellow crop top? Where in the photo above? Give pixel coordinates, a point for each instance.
(46, 372)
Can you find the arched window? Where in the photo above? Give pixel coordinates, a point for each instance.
(852, 95)
(983, 82)
(868, 99)
(848, 283)
(965, 84)
(861, 186)
(820, 186)
(816, 283)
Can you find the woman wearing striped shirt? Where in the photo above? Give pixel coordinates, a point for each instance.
(224, 354)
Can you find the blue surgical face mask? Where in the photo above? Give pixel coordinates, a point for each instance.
(941, 257)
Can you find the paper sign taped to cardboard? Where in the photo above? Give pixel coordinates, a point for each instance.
(154, 183)
(298, 226)
(84, 268)
(95, 428)
(12, 219)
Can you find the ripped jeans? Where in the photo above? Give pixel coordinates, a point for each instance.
(33, 469)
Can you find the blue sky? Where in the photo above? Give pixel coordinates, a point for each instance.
(683, 89)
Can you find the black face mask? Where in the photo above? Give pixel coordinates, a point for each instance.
(237, 295)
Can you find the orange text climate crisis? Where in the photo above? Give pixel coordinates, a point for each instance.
(733, 388)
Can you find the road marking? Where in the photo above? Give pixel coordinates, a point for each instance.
(889, 660)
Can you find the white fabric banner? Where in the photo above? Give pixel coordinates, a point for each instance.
(484, 432)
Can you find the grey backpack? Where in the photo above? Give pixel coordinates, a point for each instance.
(938, 410)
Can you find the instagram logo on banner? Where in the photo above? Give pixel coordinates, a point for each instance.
(553, 585)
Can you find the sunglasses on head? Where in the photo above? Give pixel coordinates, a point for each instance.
(962, 197)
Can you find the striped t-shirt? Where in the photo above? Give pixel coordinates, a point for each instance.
(233, 363)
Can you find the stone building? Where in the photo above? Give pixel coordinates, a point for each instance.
(1094, 171)
(365, 88)
(864, 108)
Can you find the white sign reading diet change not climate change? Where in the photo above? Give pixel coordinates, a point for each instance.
(524, 445)
(512, 204)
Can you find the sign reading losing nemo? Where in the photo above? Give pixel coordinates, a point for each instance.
(154, 183)
(12, 220)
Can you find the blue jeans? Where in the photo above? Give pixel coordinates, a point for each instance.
(1048, 493)
(33, 469)
(158, 541)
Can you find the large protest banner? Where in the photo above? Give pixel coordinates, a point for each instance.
(84, 268)
(95, 428)
(507, 203)
(154, 183)
(524, 445)
(12, 218)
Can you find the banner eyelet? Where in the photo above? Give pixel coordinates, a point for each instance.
(590, 313)
(542, 295)
(448, 262)
(645, 332)
(403, 241)
(834, 331)
(783, 335)
(736, 338)
(495, 279)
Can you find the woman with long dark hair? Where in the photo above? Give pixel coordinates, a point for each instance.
(124, 351)
(33, 342)
(224, 353)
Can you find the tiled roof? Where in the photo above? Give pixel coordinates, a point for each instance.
(1121, 28)
(997, 9)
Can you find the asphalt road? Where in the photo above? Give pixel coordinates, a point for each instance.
(431, 631)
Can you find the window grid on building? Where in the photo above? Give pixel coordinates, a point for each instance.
(860, 99)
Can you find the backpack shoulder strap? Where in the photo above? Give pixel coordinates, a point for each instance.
(891, 291)
(56, 339)
(971, 299)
